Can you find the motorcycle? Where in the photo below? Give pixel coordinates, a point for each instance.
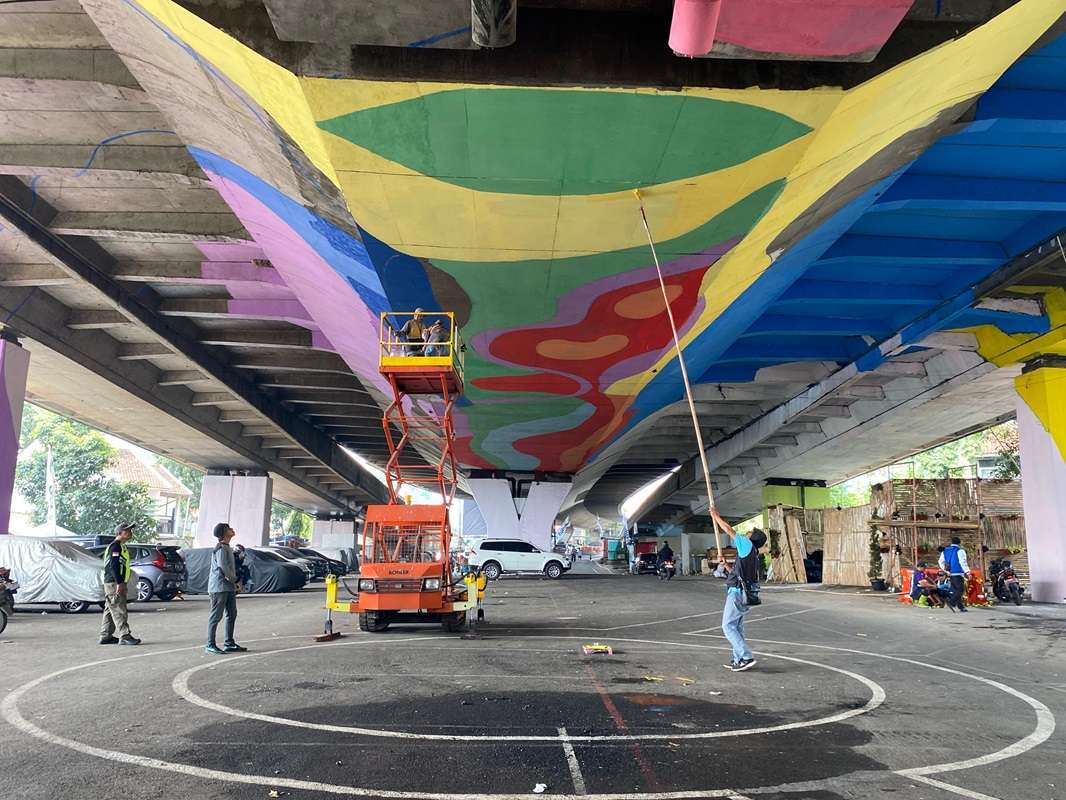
(1005, 584)
(667, 570)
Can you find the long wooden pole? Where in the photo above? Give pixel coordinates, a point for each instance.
(684, 376)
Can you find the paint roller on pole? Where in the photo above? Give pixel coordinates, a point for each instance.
(684, 375)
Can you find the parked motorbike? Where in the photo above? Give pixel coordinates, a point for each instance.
(666, 570)
(1005, 584)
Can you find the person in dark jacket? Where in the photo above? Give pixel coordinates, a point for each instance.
(117, 573)
(244, 574)
(741, 583)
(666, 554)
(222, 588)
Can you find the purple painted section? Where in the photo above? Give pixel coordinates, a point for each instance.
(14, 366)
(290, 310)
(351, 327)
(231, 251)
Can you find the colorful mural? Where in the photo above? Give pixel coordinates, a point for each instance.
(513, 207)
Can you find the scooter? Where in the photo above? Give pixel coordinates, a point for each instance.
(1005, 584)
(667, 570)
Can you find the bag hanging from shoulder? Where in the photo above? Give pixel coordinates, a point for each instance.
(751, 594)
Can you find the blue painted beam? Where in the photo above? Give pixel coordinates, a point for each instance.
(938, 192)
(804, 291)
(1010, 133)
(892, 249)
(784, 351)
(1021, 104)
(783, 325)
(1006, 321)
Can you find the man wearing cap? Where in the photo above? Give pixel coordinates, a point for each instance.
(117, 573)
(222, 588)
(414, 331)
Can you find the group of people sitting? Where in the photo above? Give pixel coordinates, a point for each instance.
(420, 339)
(943, 585)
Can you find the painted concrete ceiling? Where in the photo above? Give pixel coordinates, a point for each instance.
(514, 208)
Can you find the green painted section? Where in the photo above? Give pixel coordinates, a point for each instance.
(795, 496)
(546, 142)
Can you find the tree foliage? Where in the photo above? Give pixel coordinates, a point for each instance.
(87, 500)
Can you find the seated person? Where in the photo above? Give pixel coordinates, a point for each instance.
(8, 588)
(666, 554)
(436, 340)
(917, 576)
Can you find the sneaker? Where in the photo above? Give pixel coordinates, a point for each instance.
(962, 609)
(109, 640)
(744, 664)
(730, 665)
(129, 640)
(233, 647)
(215, 649)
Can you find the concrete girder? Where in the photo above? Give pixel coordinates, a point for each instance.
(117, 161)
(328, 413)
(159, 271)
(215, 399)
(323, 397)
(49, 25)
(827, 412)
(239, 415)
(803, 427)
(294, 380)
(902, 369)
(722, 408)
(151, 226)
(297, 362)
(861, 392)
(185, 377)
(1032, 306)
(272, 443)
(783, 440)
(289, 310)
(950, 340)
(143, 350)
(294, 338)
(66, 64)
(33, 274)
(258, 430)
(99, 319)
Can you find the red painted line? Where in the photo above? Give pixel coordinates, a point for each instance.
(646, 770)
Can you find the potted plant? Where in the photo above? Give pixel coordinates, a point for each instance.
(875, 574)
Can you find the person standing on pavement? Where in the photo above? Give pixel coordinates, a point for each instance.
(117, 573)
(222, 588)
(953, 561)
(742, 586)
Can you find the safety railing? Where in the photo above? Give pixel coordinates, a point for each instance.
(417, 338)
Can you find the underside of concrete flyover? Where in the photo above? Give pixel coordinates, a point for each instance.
(208, 205)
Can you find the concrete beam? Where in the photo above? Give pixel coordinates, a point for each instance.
(150, 226)
(96, 319)
(948, 340)
(322, 397)
(165, 163)
(140, 351)
(214, 399)
(239, 415)
(803, 427)
(102, 66)
(827, 412)
(322, 380)
(281, 338)
(861, 392)
(296, 362)
(902, 369)
(272, 309)
(33, 275)
(185, 377)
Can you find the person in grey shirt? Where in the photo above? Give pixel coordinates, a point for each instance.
(222, 589)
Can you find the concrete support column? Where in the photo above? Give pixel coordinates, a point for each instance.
(1042, 433)
(241, 500)
(333, 532)
(528, 518)
(14, 366)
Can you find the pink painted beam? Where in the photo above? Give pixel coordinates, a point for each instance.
(693, 26)
(816, 29)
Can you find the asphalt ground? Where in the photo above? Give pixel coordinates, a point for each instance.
(854, 696)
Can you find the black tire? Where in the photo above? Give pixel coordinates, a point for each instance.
(373, 622)
(553, 570)
(145, 590)
(3, 620)
(492, 571)
(1016, 595)
(166, 595)
(74, 606)
(455, 622)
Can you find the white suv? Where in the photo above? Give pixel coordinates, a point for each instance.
(497, 556)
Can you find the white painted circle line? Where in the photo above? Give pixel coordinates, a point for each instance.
(10, 712)
(181, 688)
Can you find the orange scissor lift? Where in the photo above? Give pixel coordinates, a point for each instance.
(406, 573)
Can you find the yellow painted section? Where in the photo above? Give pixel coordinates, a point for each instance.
(274, 88)
(1003, 349)
(1044, 391)
(868, 120)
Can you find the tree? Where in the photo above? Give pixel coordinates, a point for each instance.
(87, 500)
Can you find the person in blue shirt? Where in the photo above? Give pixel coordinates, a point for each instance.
(742, 582)
(953, 562)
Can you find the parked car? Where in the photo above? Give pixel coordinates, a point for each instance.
(345, 555)
(159, 569)
(267, 571)
(497, 556)
(50, 571)
(293, 557)
(334, 565)
(646, 563)
(319, 566)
